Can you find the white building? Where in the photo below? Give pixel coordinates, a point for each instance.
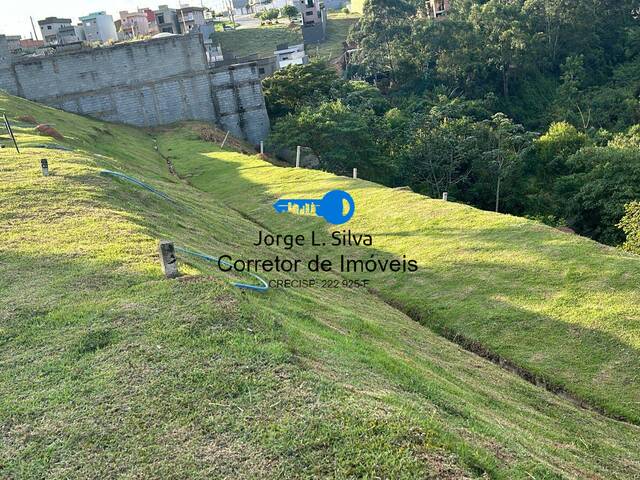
(99, 27)
(291, 55)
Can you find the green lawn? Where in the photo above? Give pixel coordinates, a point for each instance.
(108, 370)
(263, 40)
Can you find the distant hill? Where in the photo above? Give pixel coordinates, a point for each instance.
(263, 40)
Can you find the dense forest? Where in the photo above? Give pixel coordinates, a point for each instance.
(528, 107)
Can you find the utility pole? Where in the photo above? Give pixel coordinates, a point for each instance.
(34, 28)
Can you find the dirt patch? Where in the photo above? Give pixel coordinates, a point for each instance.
(28, 119)
(210, 134)
(49, 131)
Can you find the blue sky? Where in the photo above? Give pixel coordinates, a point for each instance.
(14, 15)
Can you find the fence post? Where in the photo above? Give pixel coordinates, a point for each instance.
(298, 154)
(261, 147)
(355, 173)
(225, 139)
(45, 167)
(168, 259)
(445, 196)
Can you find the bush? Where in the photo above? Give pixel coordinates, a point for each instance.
(630, 225)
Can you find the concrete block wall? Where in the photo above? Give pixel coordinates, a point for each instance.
(239, 101)
(150, 83)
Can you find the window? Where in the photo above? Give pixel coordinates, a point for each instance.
(160, 18)
(48, 27)
(261, 71)
(308, 14)
(319, 15)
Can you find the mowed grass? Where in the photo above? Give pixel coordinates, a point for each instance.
(263, 40)
(108, 370)
(562, 307)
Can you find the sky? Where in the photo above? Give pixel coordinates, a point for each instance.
(14, 14)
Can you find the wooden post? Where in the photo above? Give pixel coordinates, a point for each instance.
(45, 167)
(445, 196)
(261, 147)
(298, 154)
(355, 173)
(168, 259)
(10, 131)
(225, 139)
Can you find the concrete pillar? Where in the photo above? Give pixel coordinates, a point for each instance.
(298, 154)
(355, 173)
(168, 259)
(261, 147)
(445, 196)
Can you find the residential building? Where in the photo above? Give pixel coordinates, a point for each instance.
(151, 18)
(314, 21)
(99, 27)
(50, 27)
(134, 24)
(70, 34)
(438, 8)
(291, 55)
(31, 44)
(167, 20)
(190, 18)
(357, 6)
(13, 42)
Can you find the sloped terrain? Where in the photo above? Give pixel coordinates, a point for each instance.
(107, 369)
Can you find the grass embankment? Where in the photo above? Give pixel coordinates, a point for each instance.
(263, 40)
(563, 307)
(107, 369)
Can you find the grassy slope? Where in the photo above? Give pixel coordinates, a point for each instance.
(565, 308)
(106, 369)
(263, 40)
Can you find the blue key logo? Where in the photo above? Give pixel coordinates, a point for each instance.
(336, 207)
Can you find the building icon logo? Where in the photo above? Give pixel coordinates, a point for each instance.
(336, 207)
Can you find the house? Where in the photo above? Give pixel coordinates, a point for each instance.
(357, 6)
(28, 44)
(167, 20)
(134, 24)
(151, 18)
(70, 34)
(290, 55)
(190, 17)
(13, 42)
(99, 27)
(314, 21)
(438, 8)
(50, 27)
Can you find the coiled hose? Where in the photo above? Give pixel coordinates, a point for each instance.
(257, 288)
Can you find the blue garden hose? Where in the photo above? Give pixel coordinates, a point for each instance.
(245, 286)
(257, 288)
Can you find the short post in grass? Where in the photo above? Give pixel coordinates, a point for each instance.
(445, 196)
(355, 173)
(225, 139)
(168, 259)
(261, 147)
(45, 167)
(298, 154)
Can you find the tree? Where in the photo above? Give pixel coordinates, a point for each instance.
(340, 136)
(290, 12)
(296, 86)
(630, 225)
(606, 179)
(508, 141)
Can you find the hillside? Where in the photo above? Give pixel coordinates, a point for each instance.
(107, 369)
(263, 40)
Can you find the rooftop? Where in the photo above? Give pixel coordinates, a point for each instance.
(53, 20)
